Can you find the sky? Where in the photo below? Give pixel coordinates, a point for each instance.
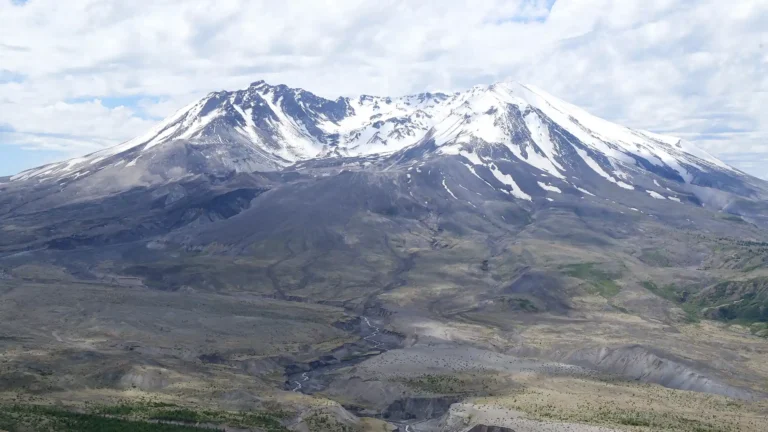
(80, 75)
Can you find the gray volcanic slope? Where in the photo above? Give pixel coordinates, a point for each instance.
(462, 241)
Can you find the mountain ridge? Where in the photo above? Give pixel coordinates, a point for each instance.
(517, 139)
(348, 126)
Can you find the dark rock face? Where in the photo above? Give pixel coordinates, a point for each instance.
(484, 428)
(546, 288)
(418, 408)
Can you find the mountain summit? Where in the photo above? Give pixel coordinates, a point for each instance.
(516, 138)
(266, 127)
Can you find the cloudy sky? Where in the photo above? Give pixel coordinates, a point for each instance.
(79, 75)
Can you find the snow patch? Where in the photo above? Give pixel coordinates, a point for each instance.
(472, 170)
(540, 135)
(509, 181)
(472, 157)
(448, 190)
(585, 191)
(549, 187)
(599, 170)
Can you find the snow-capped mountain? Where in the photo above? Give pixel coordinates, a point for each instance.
(271, 165)
(268, 128)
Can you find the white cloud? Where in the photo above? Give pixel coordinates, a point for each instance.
(697, 69)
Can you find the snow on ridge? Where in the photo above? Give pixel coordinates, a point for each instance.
(509, 181)
(472, 170)
(472, 157)
(250, 127)
(549, 187)
(298, 142)
(596, 168)
(540, 135)
(357, 133)
(584, 191)
(595, 131)
(449, 191)
(164, 128)
(383, 125)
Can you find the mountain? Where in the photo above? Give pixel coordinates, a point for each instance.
(266, 128)
(393, 257)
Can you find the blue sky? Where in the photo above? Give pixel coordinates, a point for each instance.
(81, 75)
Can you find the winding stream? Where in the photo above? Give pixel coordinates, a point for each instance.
(375, 333)
(315, 376)
(304, 377)
(310, 378)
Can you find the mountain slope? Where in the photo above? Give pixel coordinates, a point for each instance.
(391, 257)
(269, 127)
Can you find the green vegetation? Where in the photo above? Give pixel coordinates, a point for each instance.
(691, 312)
(520, 303)
(655, 258)
(455, 384)
(526, 305)
(50, 419)
(621, 309)
(182, 415)
(143, 416)
(759, 329)
(731, 217)
(743, 255)
(647, 420)
(670, 291)
(438, 384)
(126, 409)
(321, 422)
(676, 294)
(598, 281)
(738, 301)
